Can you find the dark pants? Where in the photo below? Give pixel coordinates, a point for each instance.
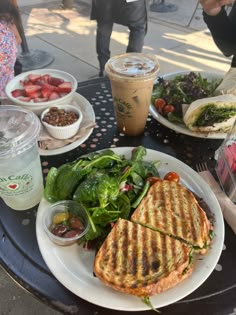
(107, 12)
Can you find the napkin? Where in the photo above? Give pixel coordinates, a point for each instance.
(228, 85)
(47, 142)
(227, 206)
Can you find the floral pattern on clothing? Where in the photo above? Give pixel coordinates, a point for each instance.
(8, 53)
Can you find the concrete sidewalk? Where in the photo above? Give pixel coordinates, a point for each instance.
(69, 36)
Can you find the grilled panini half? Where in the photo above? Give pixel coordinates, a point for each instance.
(172, 209)
(139, 261)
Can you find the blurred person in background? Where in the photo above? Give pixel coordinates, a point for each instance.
(9, 39)
(130, 13)
(221, 25)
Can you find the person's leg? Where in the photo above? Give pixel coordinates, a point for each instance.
(102, 13)
(104, 30)
(136, 38)
(137, 24)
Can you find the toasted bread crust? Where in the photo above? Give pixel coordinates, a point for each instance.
(172, 209)
(139, 261)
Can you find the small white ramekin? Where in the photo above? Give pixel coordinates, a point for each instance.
(65, 206)
(63, 132)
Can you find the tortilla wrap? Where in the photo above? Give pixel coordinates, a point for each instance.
(196, 109)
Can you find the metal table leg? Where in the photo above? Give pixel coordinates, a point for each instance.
(161, 6)
(30, 59)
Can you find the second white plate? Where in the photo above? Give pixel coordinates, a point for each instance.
(181, 128)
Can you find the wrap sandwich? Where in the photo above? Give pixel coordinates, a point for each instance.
(213, 114)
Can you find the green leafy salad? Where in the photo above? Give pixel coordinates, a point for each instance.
(107, 185)
(169, 95)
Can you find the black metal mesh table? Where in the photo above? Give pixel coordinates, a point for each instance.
(19, 252)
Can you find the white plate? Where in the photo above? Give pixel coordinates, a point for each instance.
(181, 128)
(88, 115)
(73, 266)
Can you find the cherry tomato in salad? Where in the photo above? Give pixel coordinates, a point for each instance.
(159, 103)
(172, 176)
(168, 109)
(152, 180)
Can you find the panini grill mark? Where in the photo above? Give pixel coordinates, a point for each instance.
(171, 193)
(199, 223)
(145, 263)
(184, 226)
(192, 215)
(164, 251)
(163, 216)
(156, 213)
(155, 264)
(181, 229)
(114, 247)
(146, 213)
(124, 244)
(139, 250)
(205, 223)
(134, 254)
(173, 246)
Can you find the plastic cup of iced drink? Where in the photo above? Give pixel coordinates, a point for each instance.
(132, 76)
(21, 179)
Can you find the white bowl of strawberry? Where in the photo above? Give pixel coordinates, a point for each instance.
(38, 89)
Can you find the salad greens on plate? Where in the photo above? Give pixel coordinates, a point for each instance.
(170, 94)
(107, 185)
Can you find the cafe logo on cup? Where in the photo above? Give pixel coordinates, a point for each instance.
(122, 108)
(13, 186)
(19, 184)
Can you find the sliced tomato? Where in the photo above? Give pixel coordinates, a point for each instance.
(159, 103)
(172, 176)
(152, 180)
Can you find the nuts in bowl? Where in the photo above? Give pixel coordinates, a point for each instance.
(65, 222)
(62, 121)
(36, 90)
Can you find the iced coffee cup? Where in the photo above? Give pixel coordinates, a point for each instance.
(132, 76)
(21, 180)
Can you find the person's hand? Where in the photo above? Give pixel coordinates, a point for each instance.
(213, 7)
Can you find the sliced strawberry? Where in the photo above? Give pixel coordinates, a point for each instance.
(39, 82)
(45, 78)
(49, 86)
(54, 96)
(31, 89)
(46, 92)
(24, 99)
(35, 95)
(55, 81)
(18, 92)
(25, 83)
(40, 99)
(34, 77)
(65, 87)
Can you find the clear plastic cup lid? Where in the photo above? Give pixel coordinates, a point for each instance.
(133, 64)
(19, 130)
